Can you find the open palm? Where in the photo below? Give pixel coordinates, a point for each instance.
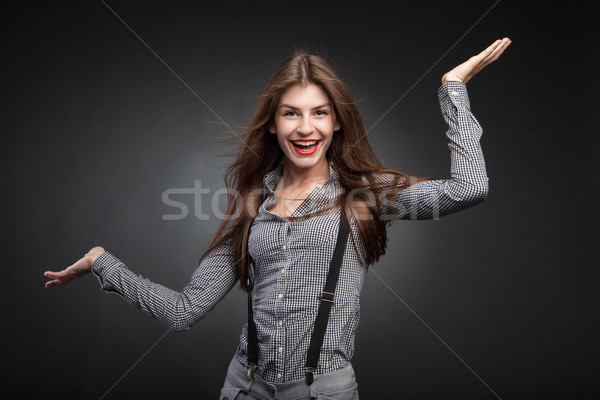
(79, 268)
(467, 70)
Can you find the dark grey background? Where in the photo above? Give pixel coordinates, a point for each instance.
(97, 127)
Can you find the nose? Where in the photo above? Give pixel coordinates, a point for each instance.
(305, 126)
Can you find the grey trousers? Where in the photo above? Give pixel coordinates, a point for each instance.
(335, 385)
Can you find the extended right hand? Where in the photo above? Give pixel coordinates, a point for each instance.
(467, 70)
(81, 267)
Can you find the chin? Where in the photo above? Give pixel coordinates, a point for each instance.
(305, 162)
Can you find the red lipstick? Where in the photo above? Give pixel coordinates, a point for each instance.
(308, 150)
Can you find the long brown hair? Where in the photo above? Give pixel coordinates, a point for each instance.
(350, 152)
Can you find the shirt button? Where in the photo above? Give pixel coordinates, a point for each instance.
(280, 349)
(283, 269)
(454, 93)
(279, 375)
(279, 296)
(284, 247)
(280, 322)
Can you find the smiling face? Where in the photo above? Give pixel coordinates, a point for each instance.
(304, 124)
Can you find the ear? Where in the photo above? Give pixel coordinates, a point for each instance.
(272, 129)
(337, 126)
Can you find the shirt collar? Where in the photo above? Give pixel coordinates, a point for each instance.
(271, 179)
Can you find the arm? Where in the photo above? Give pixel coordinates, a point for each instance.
(212, 280)
(468, 185)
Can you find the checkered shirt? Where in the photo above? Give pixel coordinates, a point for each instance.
(292, 260)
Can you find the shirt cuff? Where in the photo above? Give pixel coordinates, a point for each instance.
(453, 94)
(102, 267)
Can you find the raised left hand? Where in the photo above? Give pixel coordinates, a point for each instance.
(467, 70)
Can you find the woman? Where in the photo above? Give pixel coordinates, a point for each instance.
(305, 175)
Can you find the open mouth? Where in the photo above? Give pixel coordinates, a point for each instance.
(305, 146)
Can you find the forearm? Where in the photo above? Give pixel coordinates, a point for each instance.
(469, 180)
(468, 185)
(177, 310)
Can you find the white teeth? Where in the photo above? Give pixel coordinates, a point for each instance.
(305, 143)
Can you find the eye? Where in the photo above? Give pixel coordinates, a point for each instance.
(321, 112)
(289, 113)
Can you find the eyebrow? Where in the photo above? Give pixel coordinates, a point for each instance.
(297, 108)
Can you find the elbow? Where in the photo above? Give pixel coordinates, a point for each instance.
(176, 323)
(469, 193)
(183, 323)
(479, 192)
(185, 315)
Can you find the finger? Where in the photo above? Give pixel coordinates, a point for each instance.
(501, 46)
(494, 55)
(490, 56)
(55, 282)
(498, 45)
(485, 53)
(55, 275)
(501, 49)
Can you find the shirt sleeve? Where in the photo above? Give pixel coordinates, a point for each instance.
(210, 282)
(468, 182)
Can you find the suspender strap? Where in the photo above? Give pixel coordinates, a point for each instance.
(252, 338)
(327, 300)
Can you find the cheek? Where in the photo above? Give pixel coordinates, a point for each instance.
(327, 129)
(281, 140)
(283, 127)
(281, 131)
(326, 144)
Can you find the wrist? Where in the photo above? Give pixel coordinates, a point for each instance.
(94, 253)
(448, 77)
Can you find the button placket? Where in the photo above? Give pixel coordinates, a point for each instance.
(280, 298)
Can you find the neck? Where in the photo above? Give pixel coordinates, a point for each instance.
(307, 178)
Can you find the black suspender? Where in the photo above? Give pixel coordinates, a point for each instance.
(252, 338)
(327, 299)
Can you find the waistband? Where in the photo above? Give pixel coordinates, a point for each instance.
(333, 381)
